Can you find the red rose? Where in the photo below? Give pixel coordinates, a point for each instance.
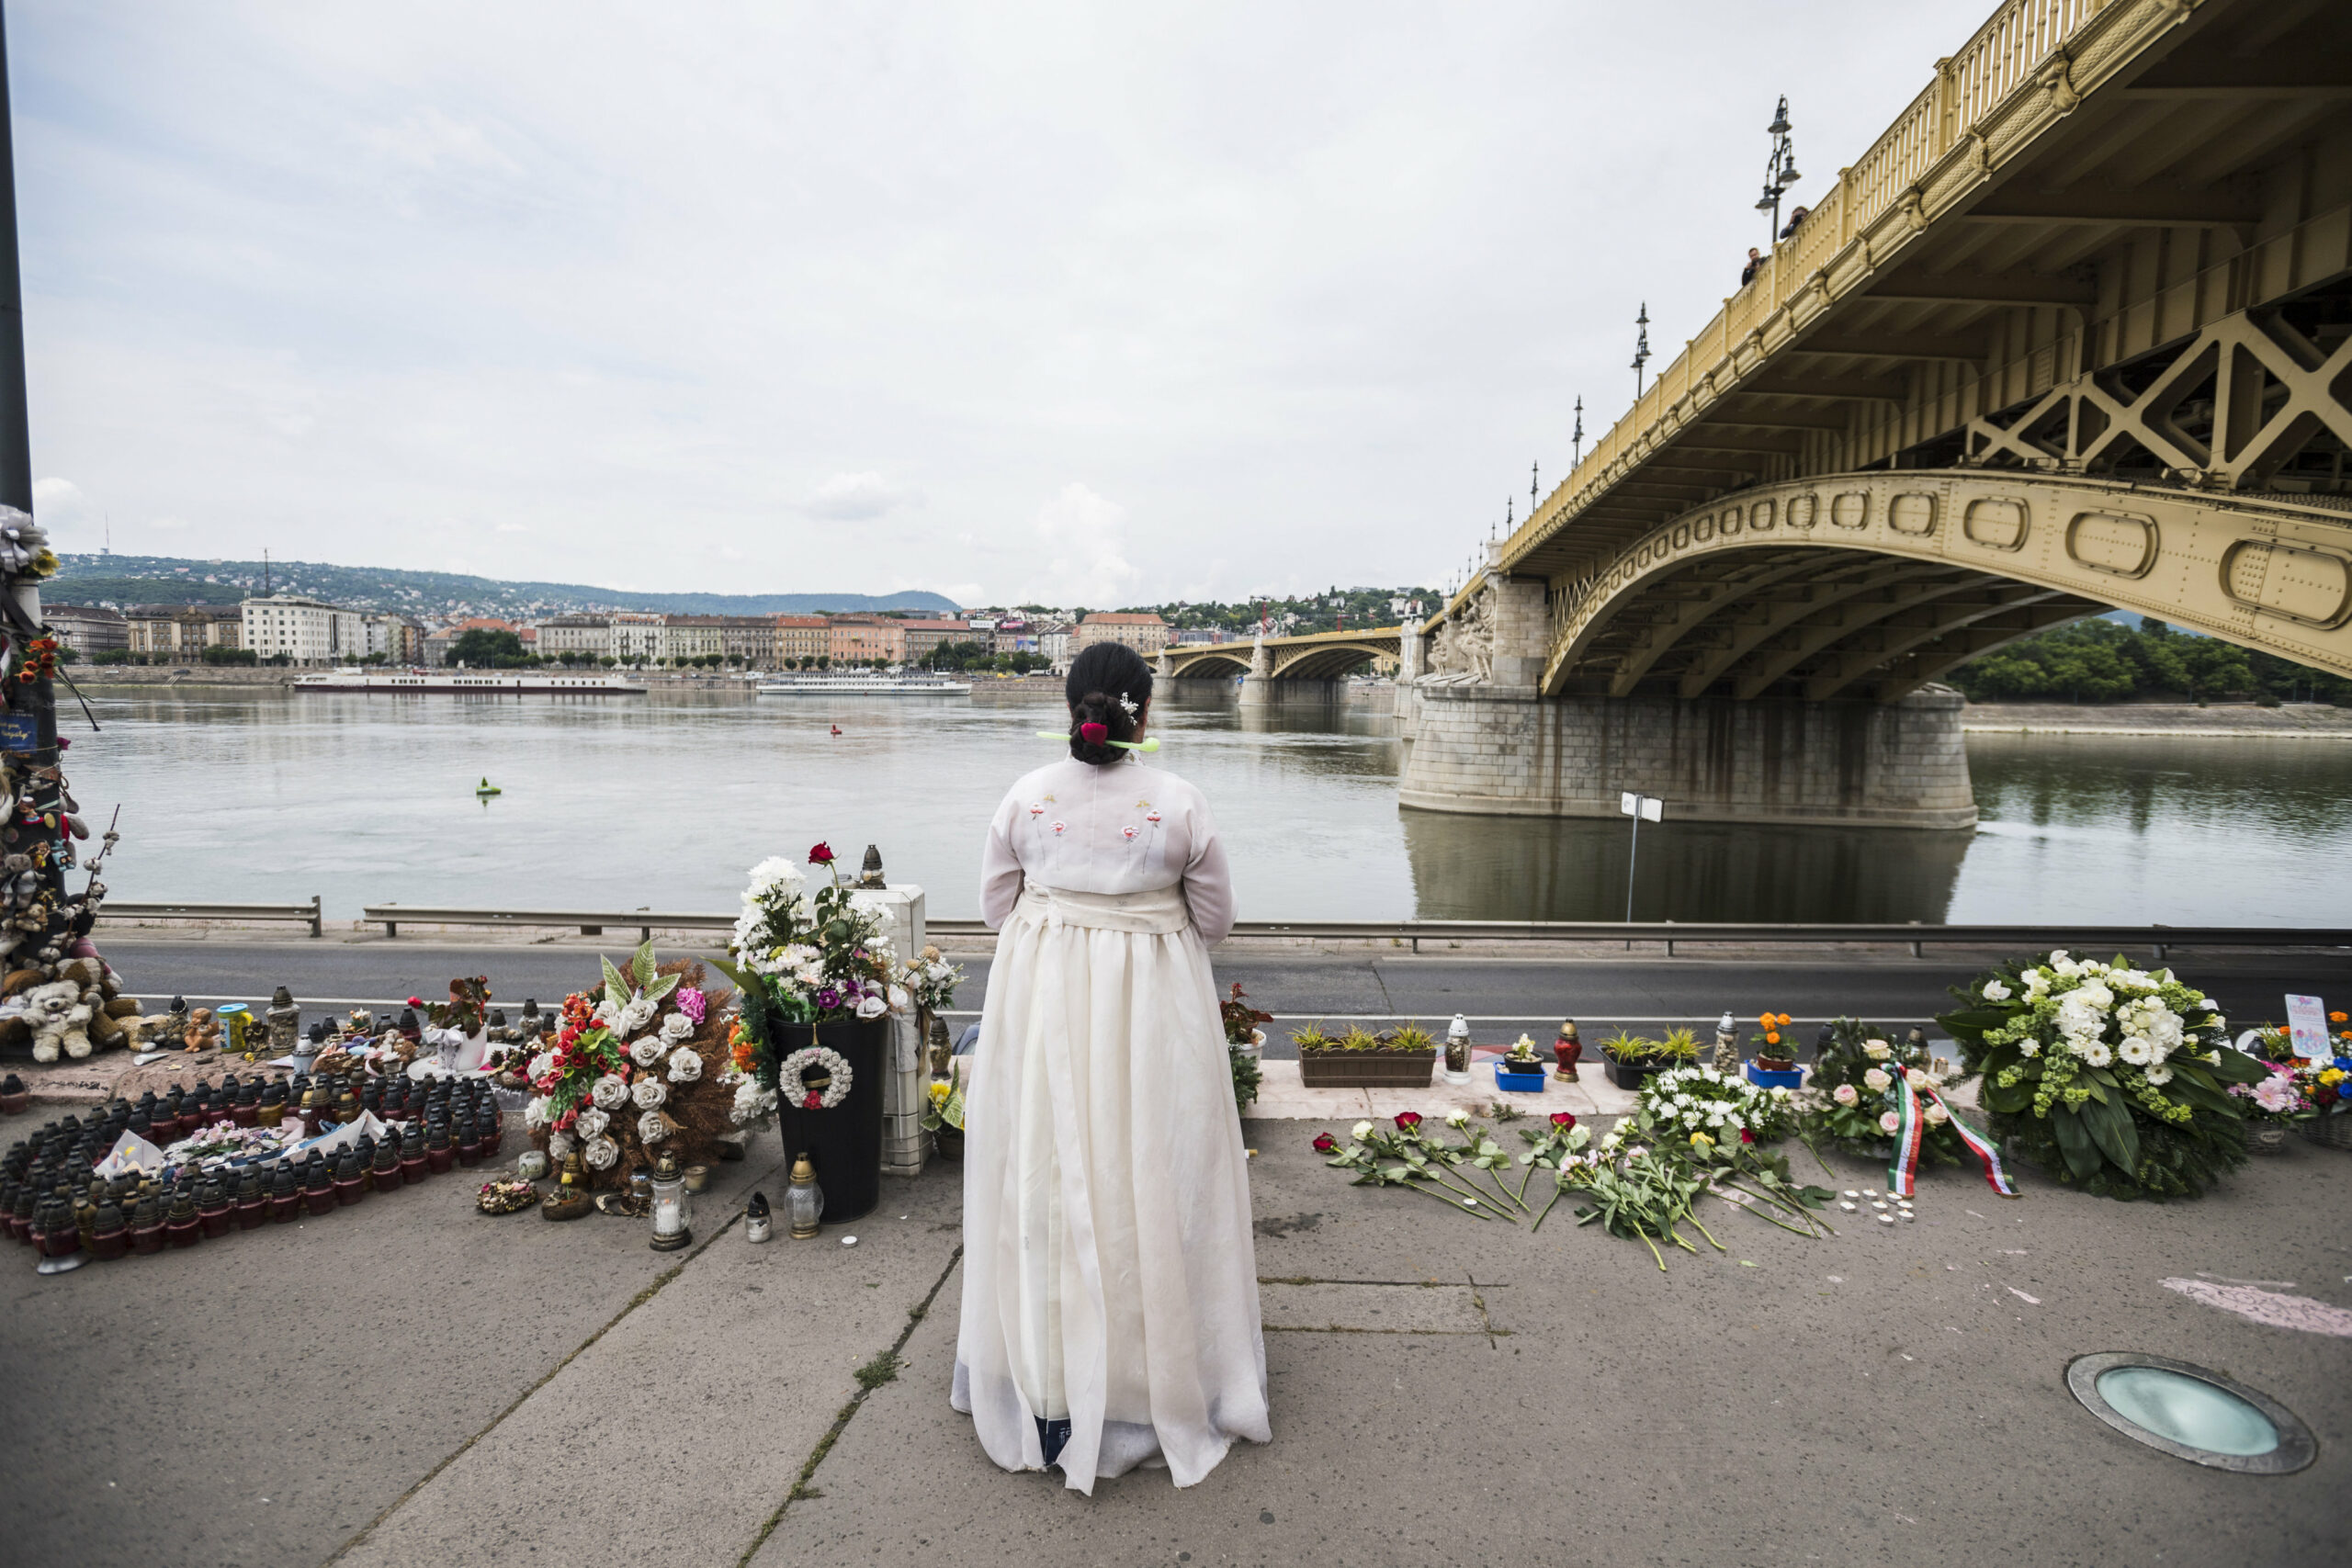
(1409, 1119)
(822, 855)
(416, 1001)
(815, 1101)
(1745, 1137)
(1325, 1143)
(1564, 1119)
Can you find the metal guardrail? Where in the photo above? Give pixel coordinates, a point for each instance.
(590, 923)
(1670, 933)
(307, 914)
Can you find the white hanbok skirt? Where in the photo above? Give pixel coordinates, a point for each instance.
(1109, 1274)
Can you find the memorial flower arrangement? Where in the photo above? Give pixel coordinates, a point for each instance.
(624, 1077)
(803, 957)
(1852, 1093)
(1701, 1107)
(2108, 1077)
(931, 980)
(2286, 1091)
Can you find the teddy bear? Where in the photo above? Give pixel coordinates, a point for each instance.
(59, 1019)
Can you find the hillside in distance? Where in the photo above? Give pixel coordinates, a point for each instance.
(121, 580)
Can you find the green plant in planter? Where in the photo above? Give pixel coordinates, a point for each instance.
(1523, 1057)
(1358, 1038)
(1312, 1040)
(1410, 1037)
(1247, 1076)
(1680, 1045)
(1629, 1049)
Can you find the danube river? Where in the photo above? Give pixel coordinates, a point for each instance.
(663, 801)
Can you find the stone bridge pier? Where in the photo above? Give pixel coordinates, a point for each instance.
(1483, 738)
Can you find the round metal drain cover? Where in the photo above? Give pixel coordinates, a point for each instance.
(2191, 1413)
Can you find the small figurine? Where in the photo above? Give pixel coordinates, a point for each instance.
(1568, 1048)
(284, 1022)
(203, 1032)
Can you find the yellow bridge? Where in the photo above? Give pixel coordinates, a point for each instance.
(2076, 332)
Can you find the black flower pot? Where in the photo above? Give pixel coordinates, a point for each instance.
(1629, 1075)
(844, 1144)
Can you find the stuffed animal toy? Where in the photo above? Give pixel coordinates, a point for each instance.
(60, 1020)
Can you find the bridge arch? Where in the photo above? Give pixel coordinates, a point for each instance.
(1872, 584)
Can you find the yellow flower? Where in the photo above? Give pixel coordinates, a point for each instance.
(1701, 1140)
(940, 1089)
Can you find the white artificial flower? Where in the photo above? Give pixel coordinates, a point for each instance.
(638, 1014)
(872, 1007)
(591, 1122)
(541, 1064)
(1360, 1131)
(676, 1027)
(1876, 1077)
(648, 1093)
(1936, 1113)
(1877, 1050)
(599, 1153)
(651, 1128)
(898, 997)
(1457, 1117)
(2136, 1051)
(559, 1144)
(536, 1114)
(2098, 1053)
(607, 1013)
(685, 1067)
(647, 1050)
(610, 1092)
(2160, 1075)
(1996, 992)
(752, 1103)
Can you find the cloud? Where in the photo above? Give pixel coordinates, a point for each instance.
(430, 140)
(856, 497)
(1084, 538)
(59, 504)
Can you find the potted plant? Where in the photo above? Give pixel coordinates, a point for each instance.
(1357, 1058)
(1629, 1059)
(943, 1114)
(1521, 1070)
(1774, 1065)
(1245, 1044)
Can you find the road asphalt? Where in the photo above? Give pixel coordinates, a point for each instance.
(1502, 990)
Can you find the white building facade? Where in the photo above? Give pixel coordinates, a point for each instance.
(304, 631)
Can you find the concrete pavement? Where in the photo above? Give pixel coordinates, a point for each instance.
(408, 1383)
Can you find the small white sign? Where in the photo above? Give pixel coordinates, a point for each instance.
(1653, 808)
(2307, 1027)
(1630, 804)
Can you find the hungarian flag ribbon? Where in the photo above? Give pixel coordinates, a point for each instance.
(1902, 1171)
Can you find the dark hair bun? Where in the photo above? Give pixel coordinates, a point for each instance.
(1098, 677)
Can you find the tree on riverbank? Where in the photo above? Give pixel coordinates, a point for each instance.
(2106, 661)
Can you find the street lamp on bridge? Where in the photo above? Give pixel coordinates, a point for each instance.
(1576, 451)
(1780, 169)
(1641, 348)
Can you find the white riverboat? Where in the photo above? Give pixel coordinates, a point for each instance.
(468, 682)
(816, 683)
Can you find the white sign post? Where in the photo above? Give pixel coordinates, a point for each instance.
(1639, 808)
(2307, 1027)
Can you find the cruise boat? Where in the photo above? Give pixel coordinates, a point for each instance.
(469, 682)
(851, 683)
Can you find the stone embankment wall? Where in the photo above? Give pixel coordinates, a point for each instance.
(1504, 752)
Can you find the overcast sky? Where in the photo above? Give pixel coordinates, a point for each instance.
(1100, 303)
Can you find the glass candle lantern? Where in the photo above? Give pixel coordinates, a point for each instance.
(671, 1229)
(804, 1200)
(1457, 1051)
(758, 1223)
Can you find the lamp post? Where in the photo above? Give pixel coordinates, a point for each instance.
(1639, 808)
(1641, 348)
(1780, 169)
(1576, 452)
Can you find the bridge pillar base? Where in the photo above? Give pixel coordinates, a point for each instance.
(1259, 690)
(1501, 751)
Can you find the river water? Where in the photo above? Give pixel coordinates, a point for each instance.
(663, 801)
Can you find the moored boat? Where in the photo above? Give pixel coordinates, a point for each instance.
(469, 682)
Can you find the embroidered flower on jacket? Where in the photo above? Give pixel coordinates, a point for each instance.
(1037, 809)
(1152, 817)
(1060, 827)
(1129, 832)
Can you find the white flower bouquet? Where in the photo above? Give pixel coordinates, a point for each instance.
(2108, 1077)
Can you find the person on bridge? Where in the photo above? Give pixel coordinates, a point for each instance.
(1749, 272)
(1109, 1314)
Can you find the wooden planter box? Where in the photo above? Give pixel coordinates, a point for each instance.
(1366, 1069)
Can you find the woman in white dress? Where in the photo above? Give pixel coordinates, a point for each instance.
(1109, 1314)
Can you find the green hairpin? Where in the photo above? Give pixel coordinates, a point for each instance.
(1150, 745)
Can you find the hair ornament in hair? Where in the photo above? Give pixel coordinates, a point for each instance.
(1128, 705)
(1150, 745)
(1094, 734)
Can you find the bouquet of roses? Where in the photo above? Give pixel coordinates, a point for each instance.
(1406, 1158)
(2105, 1075)
(931, 980)
(1852, 1095)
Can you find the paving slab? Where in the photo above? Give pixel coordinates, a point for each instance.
(1892, 1394)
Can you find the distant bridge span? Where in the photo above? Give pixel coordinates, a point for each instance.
(1318, 656)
